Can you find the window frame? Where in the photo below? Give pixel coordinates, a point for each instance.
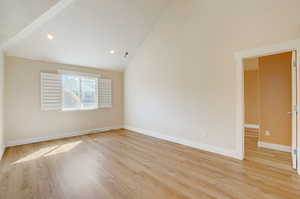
(80, 76)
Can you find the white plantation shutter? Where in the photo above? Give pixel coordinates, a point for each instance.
(51, 91)
(105, 93)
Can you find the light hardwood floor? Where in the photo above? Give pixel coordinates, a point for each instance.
(126, 165)
(268, 157)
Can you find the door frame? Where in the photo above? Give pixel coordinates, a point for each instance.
(295, 109)
(293, 45)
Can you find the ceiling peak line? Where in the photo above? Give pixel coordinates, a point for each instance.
(45, 17)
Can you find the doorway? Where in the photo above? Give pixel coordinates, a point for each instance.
(292, 45)
(270, 96)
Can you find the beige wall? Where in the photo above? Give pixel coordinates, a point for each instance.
(251, 92)
(23, 117)
(182, 81)
(275, 98)
(1, 101)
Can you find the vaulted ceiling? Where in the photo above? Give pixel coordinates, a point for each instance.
(84, 31)
(15, 15)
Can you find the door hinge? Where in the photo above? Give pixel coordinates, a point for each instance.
(296, 108)
(295, 151)
(295, 64)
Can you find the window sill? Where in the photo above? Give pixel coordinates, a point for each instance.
(87, 109)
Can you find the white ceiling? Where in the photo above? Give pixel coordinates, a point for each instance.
(17, 14)
(86, 30)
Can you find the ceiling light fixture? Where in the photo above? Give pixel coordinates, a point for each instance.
(126, 54)
(50, 37)
(112, 52)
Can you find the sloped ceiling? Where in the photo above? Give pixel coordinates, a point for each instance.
(17, 14)
(86, 30)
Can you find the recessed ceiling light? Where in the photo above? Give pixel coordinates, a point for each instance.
(112, 52)
(50, 37)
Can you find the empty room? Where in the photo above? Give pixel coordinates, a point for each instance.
(152, 99)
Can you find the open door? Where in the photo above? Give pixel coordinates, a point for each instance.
(294, 110)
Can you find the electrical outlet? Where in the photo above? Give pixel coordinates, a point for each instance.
(267, 133)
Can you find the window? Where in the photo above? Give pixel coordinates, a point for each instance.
(71, 90)
(79, 92)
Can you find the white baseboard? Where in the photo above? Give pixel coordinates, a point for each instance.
(205, 147)
(251, 126)
(2, 149)
(277, 147)
(54, 137)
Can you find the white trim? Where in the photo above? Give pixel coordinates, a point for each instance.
(294, 107)
(2, 150)
(76, 73)
(78, 109)
(55, 137)
(274, 146)
(201, 146)
(256, 52)
(251, 126)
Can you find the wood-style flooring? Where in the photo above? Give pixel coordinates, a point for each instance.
(268, 157)
(125, 165)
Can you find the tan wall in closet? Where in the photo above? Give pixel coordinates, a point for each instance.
(251, 91)
(275, 98)
(251, 97)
